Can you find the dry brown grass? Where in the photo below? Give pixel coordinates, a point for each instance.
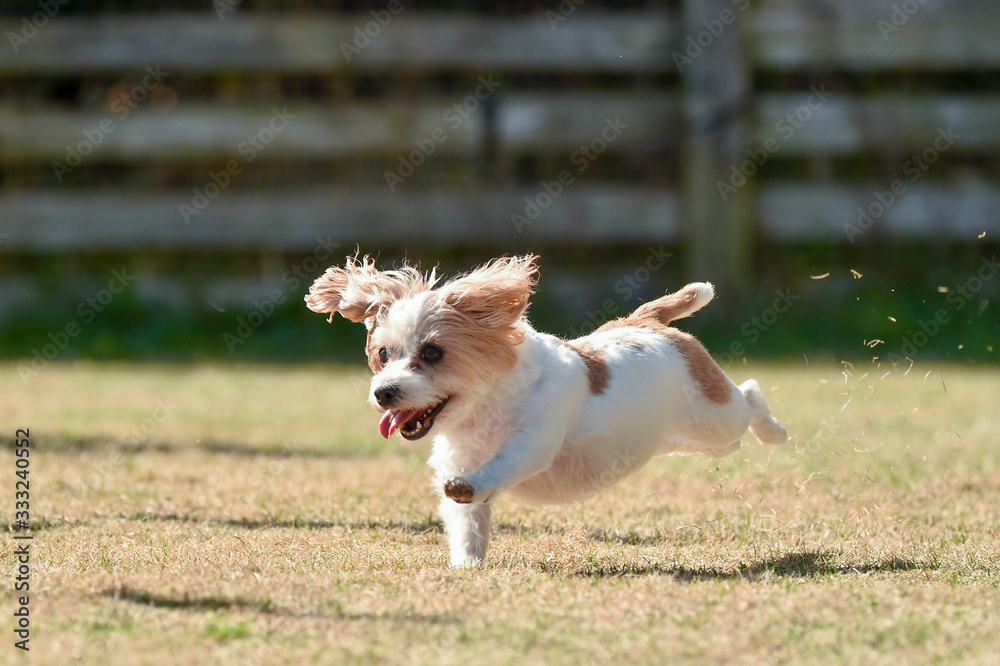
(265, 522)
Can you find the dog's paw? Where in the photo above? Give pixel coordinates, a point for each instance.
(458, 491)
(466, 562)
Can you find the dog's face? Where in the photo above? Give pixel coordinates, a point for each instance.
(431, 348)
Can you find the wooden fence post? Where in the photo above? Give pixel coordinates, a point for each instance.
(717, 221)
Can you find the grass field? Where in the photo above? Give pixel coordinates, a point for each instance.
(252, 515)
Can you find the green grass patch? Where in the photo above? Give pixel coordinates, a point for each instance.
(224, 628)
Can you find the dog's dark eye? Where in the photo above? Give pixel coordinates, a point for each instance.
(431, 354)
(383, 356)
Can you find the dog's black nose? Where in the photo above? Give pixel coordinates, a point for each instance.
(385, 395)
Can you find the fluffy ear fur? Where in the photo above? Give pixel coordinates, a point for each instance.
(495, 295)
(359, 291)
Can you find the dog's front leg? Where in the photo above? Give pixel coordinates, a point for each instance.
(529, 450)
(468, 530)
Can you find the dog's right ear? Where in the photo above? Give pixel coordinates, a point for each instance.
(359, 291)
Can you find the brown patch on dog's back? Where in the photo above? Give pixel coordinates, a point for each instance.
(598, 372)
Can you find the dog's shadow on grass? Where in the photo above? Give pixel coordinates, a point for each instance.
(272, 522)
(429, 525)
(262, 606)
(800, 564)
(66, 444)
(264, 523)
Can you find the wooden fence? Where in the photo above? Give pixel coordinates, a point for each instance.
(717, 126)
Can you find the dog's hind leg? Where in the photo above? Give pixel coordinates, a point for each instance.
(468, 530)
(762, 424)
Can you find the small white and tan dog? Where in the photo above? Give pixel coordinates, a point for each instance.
(515, 410)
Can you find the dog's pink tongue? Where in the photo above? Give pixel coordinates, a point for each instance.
(384, 425)
(391, 420)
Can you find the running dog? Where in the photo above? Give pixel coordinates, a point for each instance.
(515, 410)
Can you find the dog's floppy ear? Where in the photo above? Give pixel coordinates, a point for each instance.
(496, 294)
(359, 291)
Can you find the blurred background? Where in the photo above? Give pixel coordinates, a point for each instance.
(173, 175)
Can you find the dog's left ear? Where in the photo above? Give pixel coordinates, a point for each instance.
(496, 294)
(359, 291)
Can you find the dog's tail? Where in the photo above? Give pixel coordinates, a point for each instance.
(688, 300)
(682, 303)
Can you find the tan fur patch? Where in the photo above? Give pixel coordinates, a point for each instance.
(656, 315)
(703, 369)
(496, 294)
(598, 372)
(371, 350)
(471, 352)
(358, 291)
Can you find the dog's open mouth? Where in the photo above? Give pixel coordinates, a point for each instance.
(412, 424)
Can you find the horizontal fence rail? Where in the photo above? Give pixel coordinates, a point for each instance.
(550, 121)
(277, 221)
(786, 38)
(203, 44)
(591, 215)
